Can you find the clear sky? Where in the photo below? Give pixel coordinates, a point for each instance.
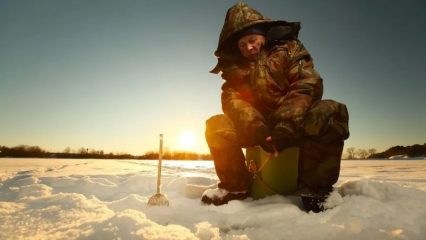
(112, 75)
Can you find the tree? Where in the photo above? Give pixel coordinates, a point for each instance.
(371, 152)
(82, 151)
(67, 150)
(351, 153)
(361, 154)
(415, 150)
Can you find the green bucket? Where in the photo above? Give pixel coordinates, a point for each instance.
(276, 175)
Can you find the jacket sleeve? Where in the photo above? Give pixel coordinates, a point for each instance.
(237, 105)
(305, 88)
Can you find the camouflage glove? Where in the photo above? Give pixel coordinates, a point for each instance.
(283, 138)
(263, 138)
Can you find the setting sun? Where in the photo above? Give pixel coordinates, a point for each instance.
(187, 140)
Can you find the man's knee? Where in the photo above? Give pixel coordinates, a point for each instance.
(327, 122)
(220, 132)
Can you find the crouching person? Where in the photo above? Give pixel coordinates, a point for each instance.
(272, 97)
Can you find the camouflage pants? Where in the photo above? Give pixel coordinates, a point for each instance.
(323, 131)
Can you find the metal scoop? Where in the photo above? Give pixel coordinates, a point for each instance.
(159, 199)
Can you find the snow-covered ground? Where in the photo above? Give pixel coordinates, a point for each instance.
(107, 199)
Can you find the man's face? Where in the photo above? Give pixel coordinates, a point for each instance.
(250, 45)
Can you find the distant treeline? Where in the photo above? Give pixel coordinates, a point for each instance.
(415, 150)
(177, 155)
(24, 151)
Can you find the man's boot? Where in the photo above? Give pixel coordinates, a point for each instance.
(233, 175)
(220, 196)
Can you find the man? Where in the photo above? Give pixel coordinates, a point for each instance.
(272, 97)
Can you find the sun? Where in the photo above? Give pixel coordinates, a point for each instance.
(187, 140)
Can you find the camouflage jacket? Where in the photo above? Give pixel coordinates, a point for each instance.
(276, 90)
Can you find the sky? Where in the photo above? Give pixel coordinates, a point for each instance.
(113, 75)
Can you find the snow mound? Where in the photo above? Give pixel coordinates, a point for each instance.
(375, 190)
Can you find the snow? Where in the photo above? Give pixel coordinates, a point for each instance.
(219, 193)
(107, 199)
(407, 157)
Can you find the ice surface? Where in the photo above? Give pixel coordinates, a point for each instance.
(107, 199)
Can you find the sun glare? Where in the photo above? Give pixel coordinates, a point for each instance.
(187, 140)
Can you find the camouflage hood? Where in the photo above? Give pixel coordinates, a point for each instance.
(238, 18)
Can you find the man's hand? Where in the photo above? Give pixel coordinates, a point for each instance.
(264, 139)
(283, 138)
